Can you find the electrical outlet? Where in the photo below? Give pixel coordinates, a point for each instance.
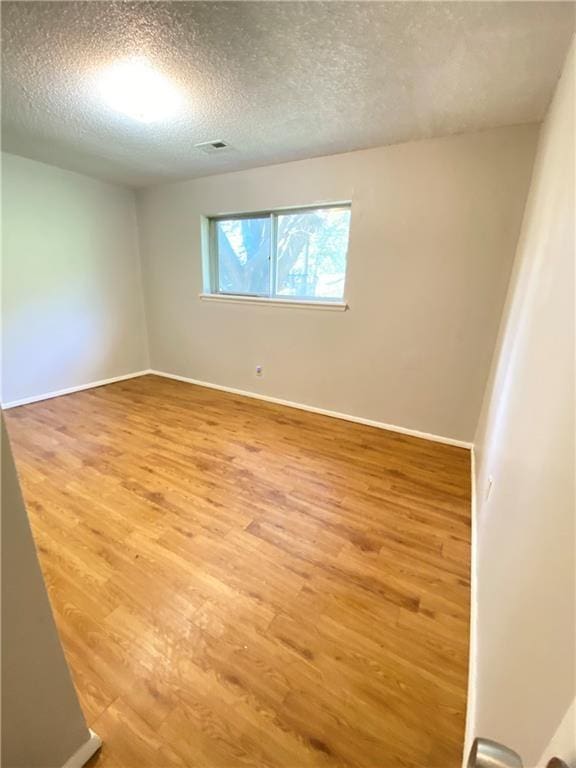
(489, 485)
(259, 370)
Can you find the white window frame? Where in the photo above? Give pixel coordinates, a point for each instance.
(210, 262)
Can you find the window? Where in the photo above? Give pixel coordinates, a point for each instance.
(292, 254)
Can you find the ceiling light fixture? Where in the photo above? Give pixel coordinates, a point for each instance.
(134, 87)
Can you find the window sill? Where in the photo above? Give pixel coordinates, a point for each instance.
(334, 306)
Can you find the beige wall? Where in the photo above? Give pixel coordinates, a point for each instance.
(72, 309)
(564, 740)
(42, 724)
(525, 666)
(433, 233)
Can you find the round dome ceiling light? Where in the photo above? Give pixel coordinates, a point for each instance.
(132, 86)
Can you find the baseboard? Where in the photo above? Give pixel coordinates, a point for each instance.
(321, 411)
(70, 390)
(473, 645)
(85, 752)
(246, 393)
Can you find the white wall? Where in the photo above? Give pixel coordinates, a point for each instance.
(433, 233)
(42, 723)
(72, 309)
(564, 740)
(525, 666)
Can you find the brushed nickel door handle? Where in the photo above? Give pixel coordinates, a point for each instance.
(486, 753)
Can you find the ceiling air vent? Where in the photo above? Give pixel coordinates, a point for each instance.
(212, 146)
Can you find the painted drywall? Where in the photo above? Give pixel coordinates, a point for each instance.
(525, 674)
(564, 740)
(72, 309)
(42, 723)
(433, 232)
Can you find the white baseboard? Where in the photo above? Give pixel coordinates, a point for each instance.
(321, 411)
(473, 646)
(85, 752)
(70, 390)
(245, 393)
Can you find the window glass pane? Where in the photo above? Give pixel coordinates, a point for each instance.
(244, 255)
(311, 253)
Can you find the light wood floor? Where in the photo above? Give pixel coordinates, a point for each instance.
(243, 584)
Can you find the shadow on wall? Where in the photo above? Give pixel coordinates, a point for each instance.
(42, 723)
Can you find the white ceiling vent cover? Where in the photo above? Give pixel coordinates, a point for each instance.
(209, 147)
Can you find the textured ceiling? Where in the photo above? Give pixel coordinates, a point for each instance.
(277, 80)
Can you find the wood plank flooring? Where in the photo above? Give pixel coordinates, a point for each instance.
(243, 584)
